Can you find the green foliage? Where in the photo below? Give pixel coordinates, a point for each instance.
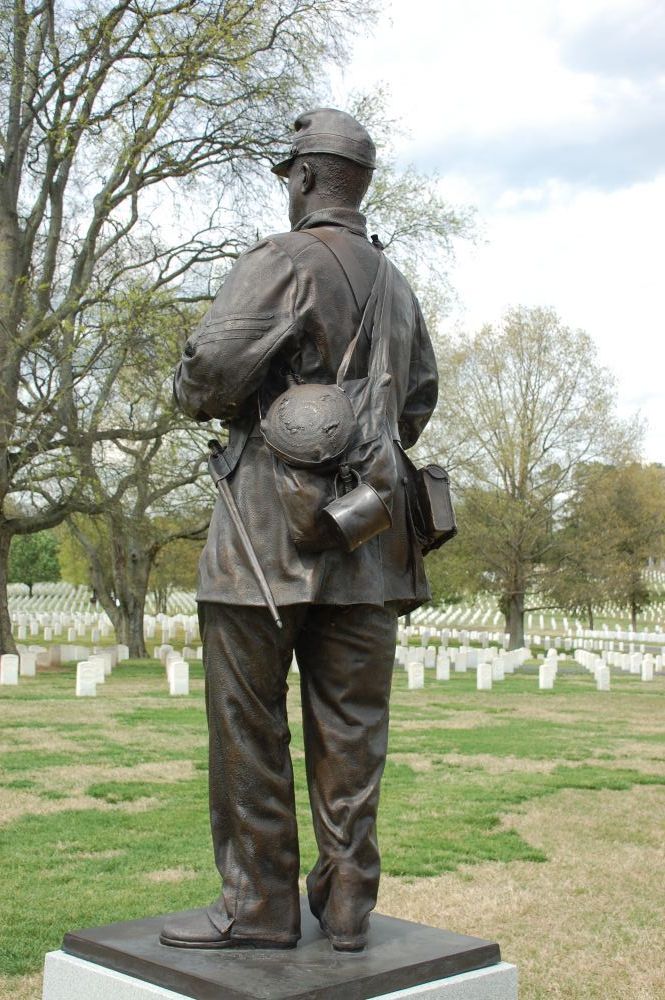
(614, 523)
(175, 566)
(34, 559)
(521, 406)
(74, 567)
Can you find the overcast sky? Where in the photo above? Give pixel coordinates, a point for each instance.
(549, 117)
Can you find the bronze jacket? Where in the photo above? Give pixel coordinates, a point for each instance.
(286, 303)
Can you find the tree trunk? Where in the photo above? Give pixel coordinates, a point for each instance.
(7, 644)
(134, 611)
(131, 571)
(589, 611)
(515, 620)
(633, 615)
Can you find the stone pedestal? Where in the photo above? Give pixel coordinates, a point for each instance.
(69, 978)
(125, 961)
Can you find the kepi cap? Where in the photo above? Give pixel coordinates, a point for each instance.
(326, 130)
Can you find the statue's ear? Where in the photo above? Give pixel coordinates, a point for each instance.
(307, 177)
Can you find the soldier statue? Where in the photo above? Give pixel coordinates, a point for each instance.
(287, 313)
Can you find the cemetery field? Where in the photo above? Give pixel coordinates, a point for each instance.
(535, 818)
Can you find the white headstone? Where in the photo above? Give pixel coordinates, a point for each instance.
(164, 651)
(27, 664)
(123, 652)
(545, 677)
(498, 672)
(9, 668)
(179, 679)
(22, 632)
(484, 677)
(48, 634)
(442, 666)
(461, 660)
(603, 678)
(86, 679)
(647, 667)
(416, 675)
(97, 663)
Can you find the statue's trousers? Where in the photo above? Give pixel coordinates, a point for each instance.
(345, 656)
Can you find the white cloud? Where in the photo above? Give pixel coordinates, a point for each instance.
(549, 117)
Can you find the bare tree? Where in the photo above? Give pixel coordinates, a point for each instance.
(116, 120)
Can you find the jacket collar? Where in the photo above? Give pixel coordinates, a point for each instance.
(346, 217)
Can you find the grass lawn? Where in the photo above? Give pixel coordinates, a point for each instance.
(533, 818)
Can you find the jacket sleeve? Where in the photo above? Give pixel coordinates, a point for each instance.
(253, 317)
(423, 386)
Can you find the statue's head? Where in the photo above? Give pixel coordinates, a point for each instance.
(330, 162)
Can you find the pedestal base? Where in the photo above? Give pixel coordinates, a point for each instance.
(69, 978)
(402, 959)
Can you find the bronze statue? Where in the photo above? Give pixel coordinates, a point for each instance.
(287, 312)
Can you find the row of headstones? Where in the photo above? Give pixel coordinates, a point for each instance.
(94, 670)
(463, 636)
(645, 664)
(488, 616)
(67, 597)
(633, 663)
(170, 626)
(77, 625)
(491, 665)
(188, 652)
(446, 635)
(26, 662)
(434, 617)
(177, 669)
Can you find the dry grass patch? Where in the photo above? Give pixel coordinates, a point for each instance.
(416, 761)
(587, 924)
(78, 776)
(170, 875)
(501, 765)
(94, 855)
(456, 720)
(14, 805)
(21, 987)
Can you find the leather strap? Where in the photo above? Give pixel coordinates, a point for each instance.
(342, 249)
(379, 287)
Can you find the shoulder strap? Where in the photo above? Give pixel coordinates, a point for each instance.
(342, 250)
(378, 289)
